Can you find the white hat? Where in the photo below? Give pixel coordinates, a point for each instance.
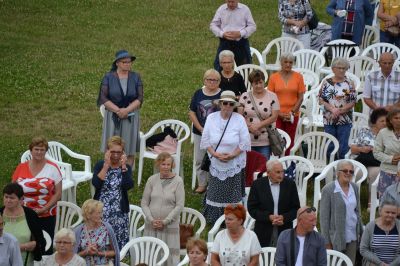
(227, 96)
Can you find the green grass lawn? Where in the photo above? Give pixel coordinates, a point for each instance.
(53, 55)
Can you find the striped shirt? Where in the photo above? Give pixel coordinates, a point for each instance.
(384, 245)
(382, 90)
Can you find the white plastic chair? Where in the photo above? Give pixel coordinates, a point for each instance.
(66, 173)
(102, 110)
(282, 45)
(245, 70)
(136, 221)
(396, 65)
(374, 199)
(304, 171)
(56, 150)
(339, 48)
(336, 258)
(370, 36)
(375, 50)
(146, 249)
(192, 216)
(248, 223)
(68, 215)
(311, 79)
(182, 132)
(361, 66)
(329, 174)
(267, 256)
(47, 238)
(255, 53)
(309, 59)
(317, 144)
(286, 137)
(375, 21)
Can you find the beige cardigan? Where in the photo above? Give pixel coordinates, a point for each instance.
(386, 145)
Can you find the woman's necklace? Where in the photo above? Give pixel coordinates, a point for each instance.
(13, 217)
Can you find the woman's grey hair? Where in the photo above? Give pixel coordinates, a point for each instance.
(388, 201)
(226, 53)
(65, 232)
(211, 71)
(271, 163)
(287, 56)
(340, 61)
(343, 163)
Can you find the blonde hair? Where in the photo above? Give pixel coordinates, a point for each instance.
(211, 71)
(162, 157)
(115, 140)
(89, 206)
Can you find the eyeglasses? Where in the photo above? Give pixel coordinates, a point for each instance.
(115, 152)
(213, 80)
(126, 62)
(341, 68)
(308, 210)
(63, 242)
(228, 103)
(227, 62)
(347, 171)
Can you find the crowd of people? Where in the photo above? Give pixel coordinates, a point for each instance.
(228, 121)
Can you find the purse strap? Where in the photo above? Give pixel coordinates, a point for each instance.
(223, 133)
(253, 102)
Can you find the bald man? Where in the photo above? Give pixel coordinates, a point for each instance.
(382, 87)
(309, 245)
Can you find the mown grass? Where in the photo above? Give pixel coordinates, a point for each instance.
(53, 55)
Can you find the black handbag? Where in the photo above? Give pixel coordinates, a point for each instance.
(313, 22)
(206, 162)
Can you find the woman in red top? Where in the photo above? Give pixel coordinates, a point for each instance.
(41, 181)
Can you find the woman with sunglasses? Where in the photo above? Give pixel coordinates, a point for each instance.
(261, 109)
(340, 212)
(200, 107)
(226, 138)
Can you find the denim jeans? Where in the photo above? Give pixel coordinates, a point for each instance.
(342, 134)
(264, 150)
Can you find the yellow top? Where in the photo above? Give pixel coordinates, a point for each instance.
(390, 7)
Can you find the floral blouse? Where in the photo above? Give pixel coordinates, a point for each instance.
(297, 11)
(338, 94)
(364, 137)
(101, 237)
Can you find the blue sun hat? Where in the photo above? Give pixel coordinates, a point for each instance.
(119, 55)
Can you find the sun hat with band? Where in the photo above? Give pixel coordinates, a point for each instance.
(120, 55)
(227, 96)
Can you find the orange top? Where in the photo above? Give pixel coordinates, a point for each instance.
(287, 93)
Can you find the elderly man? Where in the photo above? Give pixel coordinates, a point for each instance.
(10, 254)
(309, 246)
(273, 202)
(233, 24)
(382, 87)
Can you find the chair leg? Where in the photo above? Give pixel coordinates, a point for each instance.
(140, 171)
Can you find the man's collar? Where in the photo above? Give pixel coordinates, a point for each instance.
(381, 75)
(273, 184)
(238, 7)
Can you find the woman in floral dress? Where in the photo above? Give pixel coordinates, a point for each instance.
(112, 178)
(337, 96)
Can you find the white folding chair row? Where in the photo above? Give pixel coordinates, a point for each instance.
(374, 199)
(245, 70)
(148, 250)
(329, 174)
(310, 60)
(248, 223)
(375, 50)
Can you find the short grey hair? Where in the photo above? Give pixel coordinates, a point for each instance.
(271, 163)
(65, 232)
(388, 201)
(226, 53)
(287, 56)
(343, 163)
(340, 61)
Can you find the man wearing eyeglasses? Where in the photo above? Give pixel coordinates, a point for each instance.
(10, 255)
(233, 24)
(302, 245)
(273, 202)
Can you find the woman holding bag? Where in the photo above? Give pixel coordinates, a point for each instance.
(389, 15)
(261, 109)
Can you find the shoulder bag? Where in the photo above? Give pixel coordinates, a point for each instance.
(206, 162)
(276, 142)
(313, 22)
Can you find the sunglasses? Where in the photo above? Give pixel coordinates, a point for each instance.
(346, 171)
(308, 210)
(228, 103)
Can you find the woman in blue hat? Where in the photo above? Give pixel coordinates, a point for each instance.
(121, 93)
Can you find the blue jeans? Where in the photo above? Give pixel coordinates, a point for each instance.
(386, 37)
(264, 150)
(342, 134)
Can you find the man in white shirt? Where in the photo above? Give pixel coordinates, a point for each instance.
(10, 255)
(233, 24)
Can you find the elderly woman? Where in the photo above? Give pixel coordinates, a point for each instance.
(226, 138)
(289, 88)
(235, 245)
(23, 223)
(64, 255)
(112, 178)
(197, 251)
(362, 146)
(389, 14)
(294, 16)
(200, 107)
(380, 242)
(41, 182)
(121, 92)
(10, 254)
(260, 110)
(96, 241)
(387, 151)
(230, 79)
(162, 202)
(340, 212)
(338, 96)
(349, 18)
